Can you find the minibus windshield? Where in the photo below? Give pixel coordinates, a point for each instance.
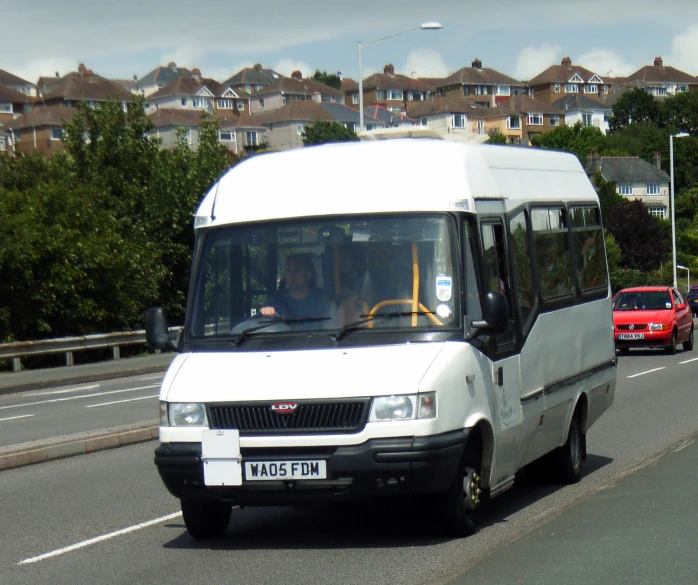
(318, 275)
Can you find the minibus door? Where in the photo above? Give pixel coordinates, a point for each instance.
(505, 357)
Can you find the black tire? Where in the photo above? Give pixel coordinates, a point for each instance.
(566, 461)
(688, 344)
(206, 519)
(671, 348)
(624, 350)
(458, 509)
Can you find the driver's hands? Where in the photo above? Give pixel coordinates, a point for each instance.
(268, 311)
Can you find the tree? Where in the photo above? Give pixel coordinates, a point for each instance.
(636, 105)
(644, 243)
(578, 139)
(497, 137)
(330, 79)
(680, 112)
(608, 195)
(322, 132)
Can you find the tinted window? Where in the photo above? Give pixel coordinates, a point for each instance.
(589, 253)
(521, 256)
(552, 254)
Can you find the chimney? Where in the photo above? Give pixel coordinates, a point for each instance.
(658, 160)
(196, 74)
(172, 65)
(82, 69)
(566, 62)
(339, 74)
(257, 67)
(389, 70)
(658, 62)
(58, 74)
(477, 64)
(297, 75)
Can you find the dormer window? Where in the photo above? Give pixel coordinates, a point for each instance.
(591, 88)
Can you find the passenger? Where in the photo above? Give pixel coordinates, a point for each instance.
(301, 298)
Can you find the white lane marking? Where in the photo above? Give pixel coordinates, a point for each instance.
(85, 543)
(121, 401)
(51, 392)
(153, 377)
(78, 397)
(689, 361)
(16, 417)
(647, 372)
(684, 445)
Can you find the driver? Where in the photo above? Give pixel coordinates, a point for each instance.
(301, 298)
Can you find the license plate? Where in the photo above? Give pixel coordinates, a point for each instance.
(282, 470)
(631, 336)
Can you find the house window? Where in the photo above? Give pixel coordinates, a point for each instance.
(657, 91)
(225, 104)
(606, 117)
(681, 88)
(16, 136)
(554, 120)
(591, 88)
(251, 138)
(261, 104)
(3, 144)
(6, 108)
(186, 134)
(480, 90)
(513, 122)
(423, 122)
(571, 88)
(458, 120)
(395, 94)
(226, 135)
(380, 95)
(258, 87)
(466, 90)
(653, 189)
(586, 120)
(625, 189)
(56, 133)
(247, 87)
(241, 105)
(503, 90)
(605, 90)
(480, 126)
(415, 96)
(354, 98)
(516, 91)
(535, 119)
(300, 128)
(657, 212)
(349, 126)
(556, 88)
(198, 103)
(184, 102)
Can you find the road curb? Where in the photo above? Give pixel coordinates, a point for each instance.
(23, 454)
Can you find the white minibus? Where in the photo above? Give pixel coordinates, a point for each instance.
(402, 317)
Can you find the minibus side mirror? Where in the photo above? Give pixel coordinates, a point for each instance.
(495, 310)
(156, 331)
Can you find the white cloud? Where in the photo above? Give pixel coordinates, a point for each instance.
(533, 60)
(684, 48)
(425, 62)
(45, 68)
(606, 63)
(288, 66)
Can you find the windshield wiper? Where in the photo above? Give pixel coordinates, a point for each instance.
(353, 326)
(245, 333)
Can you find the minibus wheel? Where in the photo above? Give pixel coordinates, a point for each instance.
(206, 518)
(567, 460)
(459, 507)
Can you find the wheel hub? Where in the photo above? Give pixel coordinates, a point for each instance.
(471, 488)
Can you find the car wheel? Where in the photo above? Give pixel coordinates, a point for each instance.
(458, 509)
(566, 461)
(624, 350)
(206, 519)
(688, 344)
(671, 348)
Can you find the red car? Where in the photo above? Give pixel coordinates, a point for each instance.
(652, 316)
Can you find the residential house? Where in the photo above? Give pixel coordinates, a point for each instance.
(526, 116)
(287, 89)
(185, 93)
(158, 78)
(390, 90)
(351, 92)
(13, 103)
(5, 144)
(635, 178)
(390, 119)
(17, 83)
(83, 85)
(588, 112)
(39, 130)
(487, 87)
(449, 114)
(564, 79)
(250, 80)
(660, 80)
(285, 126)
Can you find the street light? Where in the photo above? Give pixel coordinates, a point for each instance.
(673, 214)
(688, 277)
(423, 26)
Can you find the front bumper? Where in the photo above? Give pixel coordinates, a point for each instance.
(401, 465)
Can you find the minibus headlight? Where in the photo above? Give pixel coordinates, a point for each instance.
(403, 407)
(187, 414)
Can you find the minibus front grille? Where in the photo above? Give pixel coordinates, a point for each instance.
(348, 416)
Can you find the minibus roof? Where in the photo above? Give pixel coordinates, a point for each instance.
(399, 175)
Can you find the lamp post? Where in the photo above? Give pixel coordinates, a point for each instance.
(673, 214)
(423, 26)
(688, 277)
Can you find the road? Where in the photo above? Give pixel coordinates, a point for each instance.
(116, 497)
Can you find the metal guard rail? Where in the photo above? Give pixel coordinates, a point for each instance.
(67, 345)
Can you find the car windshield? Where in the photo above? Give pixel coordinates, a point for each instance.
(642, 301)
(321, 275)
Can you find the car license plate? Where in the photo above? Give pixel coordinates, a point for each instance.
(283, 470)
(631, 336)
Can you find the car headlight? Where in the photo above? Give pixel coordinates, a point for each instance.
(658, 327)
(183, 414)
(403, 407)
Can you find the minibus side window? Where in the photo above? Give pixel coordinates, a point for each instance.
(590, 257)
(521, 260)
(497, 275)
(474, 310)
(552, 253)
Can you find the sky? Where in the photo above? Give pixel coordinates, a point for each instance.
(120, 39)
